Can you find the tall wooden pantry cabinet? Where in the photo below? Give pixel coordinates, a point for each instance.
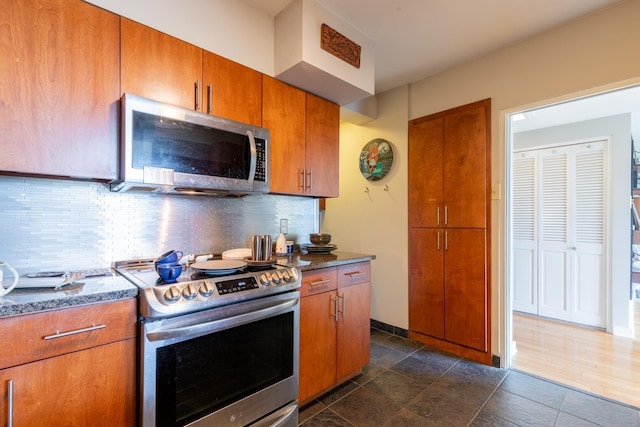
(449, 213)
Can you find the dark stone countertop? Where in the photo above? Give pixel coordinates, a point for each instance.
(312, 261)
(45, 297)
(115, 287)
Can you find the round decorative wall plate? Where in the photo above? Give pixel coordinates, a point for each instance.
(376, 159)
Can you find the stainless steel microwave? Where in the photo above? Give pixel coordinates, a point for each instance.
(169, 149)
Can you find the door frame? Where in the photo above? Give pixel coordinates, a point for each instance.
(504, 342)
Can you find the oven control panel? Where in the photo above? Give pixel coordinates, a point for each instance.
(163, 300)
(236, 285)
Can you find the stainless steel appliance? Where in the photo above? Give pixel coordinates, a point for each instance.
(168, 149)
(217, 350)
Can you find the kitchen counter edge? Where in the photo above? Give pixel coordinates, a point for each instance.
(314, 261)
(90, 291)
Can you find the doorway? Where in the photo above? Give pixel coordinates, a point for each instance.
(592, 118)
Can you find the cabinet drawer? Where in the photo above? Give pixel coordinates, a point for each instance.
(351, 274)
(37, 336)
(316, 281)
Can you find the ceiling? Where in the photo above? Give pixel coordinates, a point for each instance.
(415, 39)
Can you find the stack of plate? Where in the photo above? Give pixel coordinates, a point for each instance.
(321, 249)
(219, 267)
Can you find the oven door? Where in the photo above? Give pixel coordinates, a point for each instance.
(230, 366)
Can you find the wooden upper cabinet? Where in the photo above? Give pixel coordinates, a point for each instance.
(160, 67)
(304, 140)
(425, 173)
(448, 168)
(231, 90)
(283, 113)
(465, 182)
(59, 89)
(322, 147)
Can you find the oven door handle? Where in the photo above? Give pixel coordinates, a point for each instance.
(199, 329)
(281, 417)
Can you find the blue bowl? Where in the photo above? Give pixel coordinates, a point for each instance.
(169, 272)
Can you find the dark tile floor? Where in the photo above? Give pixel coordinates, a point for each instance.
(408, 384)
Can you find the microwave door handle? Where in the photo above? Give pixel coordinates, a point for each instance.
(254, 156)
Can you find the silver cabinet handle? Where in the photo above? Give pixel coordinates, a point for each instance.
(309, 184)
(438, 247)
(438, 214)
(335, 308)
(446, 215)
(319, 282)
(355, 274)
(302, 179)
(10, 403)
(209, 98)
(59, 334)
(197, 97)
(446, 241)
(344, 304)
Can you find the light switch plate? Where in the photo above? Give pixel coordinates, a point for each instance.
(495, 192)
(284, 226)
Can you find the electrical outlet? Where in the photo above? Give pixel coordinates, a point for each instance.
(284, 226)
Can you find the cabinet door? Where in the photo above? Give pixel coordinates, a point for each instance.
(466, 291)
(465, 168)
(283, 113)
(160, 67)
(231, 90)
(353, 329)
(95, 387)
(322, 147)
(426, 281)
(317, 343)
(425, 173)
(60, 89)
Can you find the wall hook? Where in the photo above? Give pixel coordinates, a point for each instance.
(366, 189)
(386, 187)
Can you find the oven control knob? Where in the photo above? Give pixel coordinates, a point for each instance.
(286, 276)
(276, 277)
(206, 290)
(190, 292)
(265, 279)
(172, 294)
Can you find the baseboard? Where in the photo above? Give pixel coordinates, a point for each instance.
(394, 330)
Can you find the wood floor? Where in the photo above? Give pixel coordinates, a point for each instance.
(581, 357)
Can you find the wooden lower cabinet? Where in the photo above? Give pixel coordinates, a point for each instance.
(448, 292)
(70, 367)
(334, 327)
(94, 387)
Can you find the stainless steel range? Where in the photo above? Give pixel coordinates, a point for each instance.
(217, 350)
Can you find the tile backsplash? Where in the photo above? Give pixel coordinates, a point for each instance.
(50, 224)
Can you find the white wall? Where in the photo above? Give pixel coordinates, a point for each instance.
(599, 50)
(231, 28)
(618, 128)
(376, 222)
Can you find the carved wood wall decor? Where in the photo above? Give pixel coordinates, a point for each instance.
(339, 46)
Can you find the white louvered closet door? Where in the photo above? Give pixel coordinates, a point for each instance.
(525, 253)
(589, 207)
(558, 232)
(555, 241)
